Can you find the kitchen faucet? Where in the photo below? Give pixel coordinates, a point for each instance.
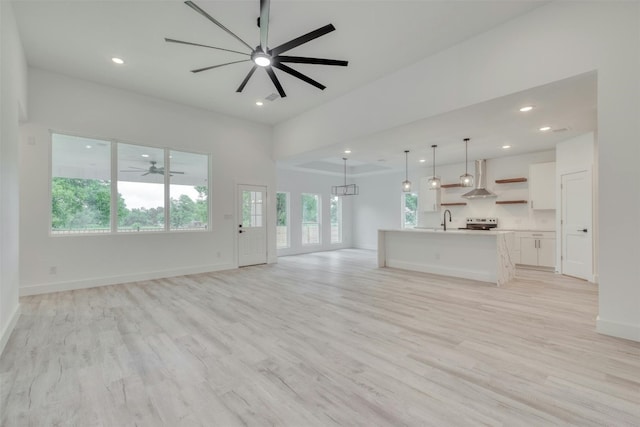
(444, 219)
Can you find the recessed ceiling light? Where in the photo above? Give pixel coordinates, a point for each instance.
(88, 146)
(118, 61)
(423, 160)
(145, 155)
(506, 147)
(545, 128)
(347, 151)
(526, 108)
(259, 103)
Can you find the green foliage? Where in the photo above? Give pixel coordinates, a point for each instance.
(80, 203)
(281, 209)
(85, 204)
(335, 210)
(410, 210)
(310, 211)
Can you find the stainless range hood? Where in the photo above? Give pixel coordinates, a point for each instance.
(480, 192)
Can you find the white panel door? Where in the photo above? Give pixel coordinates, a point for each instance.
(252, 231)
(577, 244)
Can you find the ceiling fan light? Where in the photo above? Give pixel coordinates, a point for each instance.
(261, 59)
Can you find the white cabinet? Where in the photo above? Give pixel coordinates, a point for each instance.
(542, 185)
(537, 248)
(428, 199)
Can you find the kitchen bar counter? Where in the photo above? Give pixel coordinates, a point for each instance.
(470, 254)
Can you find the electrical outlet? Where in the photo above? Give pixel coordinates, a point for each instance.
(218, 254)
(437, 256)
(53, 270)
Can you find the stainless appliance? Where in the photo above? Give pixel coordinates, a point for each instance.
(481, 224)
(480, 192)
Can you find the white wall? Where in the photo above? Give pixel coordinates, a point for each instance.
(295, 183)
(240, 152)
(379, 205)
(576, 155)
(13, 108)
(555, 41)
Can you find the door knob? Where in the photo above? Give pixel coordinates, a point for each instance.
(584, 230)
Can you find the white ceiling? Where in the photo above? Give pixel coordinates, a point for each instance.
(568, 106)
(79, 37)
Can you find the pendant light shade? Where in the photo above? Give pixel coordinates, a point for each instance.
(406, 184)
(434, 181)
(466, 180)
(345, 190)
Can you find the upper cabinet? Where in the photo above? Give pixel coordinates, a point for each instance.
(542, 185)
(428, 199)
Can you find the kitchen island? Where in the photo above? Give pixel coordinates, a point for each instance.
(470, 254)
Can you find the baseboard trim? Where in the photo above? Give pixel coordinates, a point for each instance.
(73, 285)
(618, 330)
(6, 333)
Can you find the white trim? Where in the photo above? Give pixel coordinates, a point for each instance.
(619, 330)
(4, 338)
(116, 280)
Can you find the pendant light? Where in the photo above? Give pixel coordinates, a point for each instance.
(434, 181)
(466, 180)
(406, 184)
(345, 190)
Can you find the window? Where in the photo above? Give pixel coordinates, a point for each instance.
(140, 188)
(80, 185)
(139, 197)
(409, 210)
(252, 209)
(282, 220)
(336, 219)
(310, 219)
(188, 191)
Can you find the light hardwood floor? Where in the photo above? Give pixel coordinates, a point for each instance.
(319, 339)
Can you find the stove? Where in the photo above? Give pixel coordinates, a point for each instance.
(481, 224)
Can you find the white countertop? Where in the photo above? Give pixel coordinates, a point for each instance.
(450, 231)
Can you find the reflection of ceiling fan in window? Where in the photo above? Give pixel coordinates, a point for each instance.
(153, 169)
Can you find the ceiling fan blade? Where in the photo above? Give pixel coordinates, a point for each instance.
(174, 172)
(195, 7)
(246, 79)
(275, 81)
(203, 45)
(299, 75)
(219, 65)
(305, 60)
(265, 5)
(302, 39)
(145, 174)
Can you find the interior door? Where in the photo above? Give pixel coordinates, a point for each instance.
(252, 232)
(577, 240)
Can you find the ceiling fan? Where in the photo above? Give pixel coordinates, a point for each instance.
(264, 57)
(153, 169)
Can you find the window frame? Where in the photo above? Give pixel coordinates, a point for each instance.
(339, 214)
(403, 206)
(288, 217)
(319, 219)
(114, 189)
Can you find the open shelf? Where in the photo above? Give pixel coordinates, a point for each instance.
(510, 180)
(450, 185)
(454, 204)
(511, 202)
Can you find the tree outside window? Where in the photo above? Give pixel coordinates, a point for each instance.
(409, 210)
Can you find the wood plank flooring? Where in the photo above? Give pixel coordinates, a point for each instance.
(319, 339)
